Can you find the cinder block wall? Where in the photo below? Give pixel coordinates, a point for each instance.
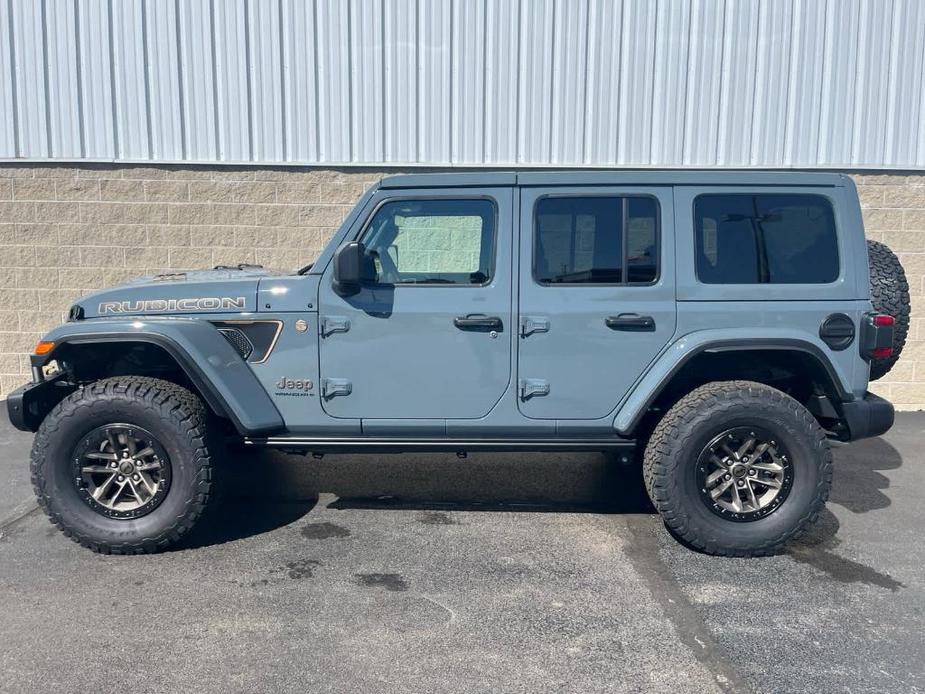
(67, 230)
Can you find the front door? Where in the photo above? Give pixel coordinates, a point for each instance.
(430, 336)
(597, 296)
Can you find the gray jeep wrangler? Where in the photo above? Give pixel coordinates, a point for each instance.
(719, 327)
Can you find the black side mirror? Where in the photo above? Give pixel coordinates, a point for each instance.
(348, 268)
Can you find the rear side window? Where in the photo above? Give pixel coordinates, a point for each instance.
(765, 239)
(596, 240)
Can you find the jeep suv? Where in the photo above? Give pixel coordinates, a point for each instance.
(718, 327)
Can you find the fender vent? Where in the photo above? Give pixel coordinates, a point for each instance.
(238, 340)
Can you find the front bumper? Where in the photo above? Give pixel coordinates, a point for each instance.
(28, 404)
(868, 416)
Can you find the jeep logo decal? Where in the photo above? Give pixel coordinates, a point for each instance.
(209, 303)
(294, 384)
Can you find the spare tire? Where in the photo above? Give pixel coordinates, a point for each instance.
(889, 293)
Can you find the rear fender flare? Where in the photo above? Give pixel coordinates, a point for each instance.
(673, 359)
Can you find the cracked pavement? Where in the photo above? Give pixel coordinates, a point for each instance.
(498, 572)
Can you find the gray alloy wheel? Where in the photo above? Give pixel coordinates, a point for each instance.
(122, 471)
(744, 473)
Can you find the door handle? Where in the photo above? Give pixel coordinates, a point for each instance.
(631, 322)
(478, 321)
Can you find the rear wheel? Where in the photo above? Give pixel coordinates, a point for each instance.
(123, 465)
(737, 468)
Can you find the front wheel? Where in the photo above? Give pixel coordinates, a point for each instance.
(738, 468)
(123, 465)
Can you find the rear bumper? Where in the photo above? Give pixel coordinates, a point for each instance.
(868, 416)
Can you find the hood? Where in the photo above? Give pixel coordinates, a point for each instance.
(220, 290)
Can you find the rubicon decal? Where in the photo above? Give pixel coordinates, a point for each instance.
(209, 303)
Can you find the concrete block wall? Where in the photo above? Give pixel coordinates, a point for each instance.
(69, 229)
(894, 213)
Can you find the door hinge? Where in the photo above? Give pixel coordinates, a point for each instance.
(332, 387)
(334, 324)
(533, 324)
(533, 387)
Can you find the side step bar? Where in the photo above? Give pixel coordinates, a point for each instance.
(334, 444)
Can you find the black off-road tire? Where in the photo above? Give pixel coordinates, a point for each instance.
(173, 415)
(671, 460)
(889, 293)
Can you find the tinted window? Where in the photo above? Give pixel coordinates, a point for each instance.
(777, 239)
(432, 242)
(596, 240)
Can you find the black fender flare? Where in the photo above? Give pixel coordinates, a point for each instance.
(645, 393)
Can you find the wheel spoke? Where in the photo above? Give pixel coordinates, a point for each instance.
(752, 499)
(716, 460)
(101, 456)
(768, 482)
(715, 477)
(144, 467)
(103, 488)
(143, 453)
(717, 491)
(774, 468)
(114, 499)
(745, 448)
(736, 499)
(134, 489)
(113, 442)
(149, 483)
(731, 453)
(98, 470)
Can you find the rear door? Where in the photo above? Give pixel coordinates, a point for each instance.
(596, 300)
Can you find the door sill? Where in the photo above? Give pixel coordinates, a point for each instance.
(334, 444)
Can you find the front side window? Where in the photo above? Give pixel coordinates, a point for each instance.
(596, 240)
(432, 242)
(765, 239)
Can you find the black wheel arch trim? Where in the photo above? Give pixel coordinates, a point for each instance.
(745, 345)
(254, 414)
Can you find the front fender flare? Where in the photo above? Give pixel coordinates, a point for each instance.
(673, 359)
(225, 381)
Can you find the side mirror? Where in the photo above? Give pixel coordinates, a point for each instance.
(348, 268)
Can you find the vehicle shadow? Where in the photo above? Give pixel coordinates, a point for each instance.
(858, 484)
(553, 481)
(264, 490)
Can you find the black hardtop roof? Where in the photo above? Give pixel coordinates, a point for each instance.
(642, 177)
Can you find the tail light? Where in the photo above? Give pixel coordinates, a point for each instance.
(877, 335)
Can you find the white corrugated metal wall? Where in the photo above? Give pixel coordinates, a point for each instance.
(805, 83)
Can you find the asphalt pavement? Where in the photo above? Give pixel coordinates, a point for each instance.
(508, 573)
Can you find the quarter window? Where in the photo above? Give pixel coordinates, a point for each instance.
(432, 242)
(596, 240)
(765, 239)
